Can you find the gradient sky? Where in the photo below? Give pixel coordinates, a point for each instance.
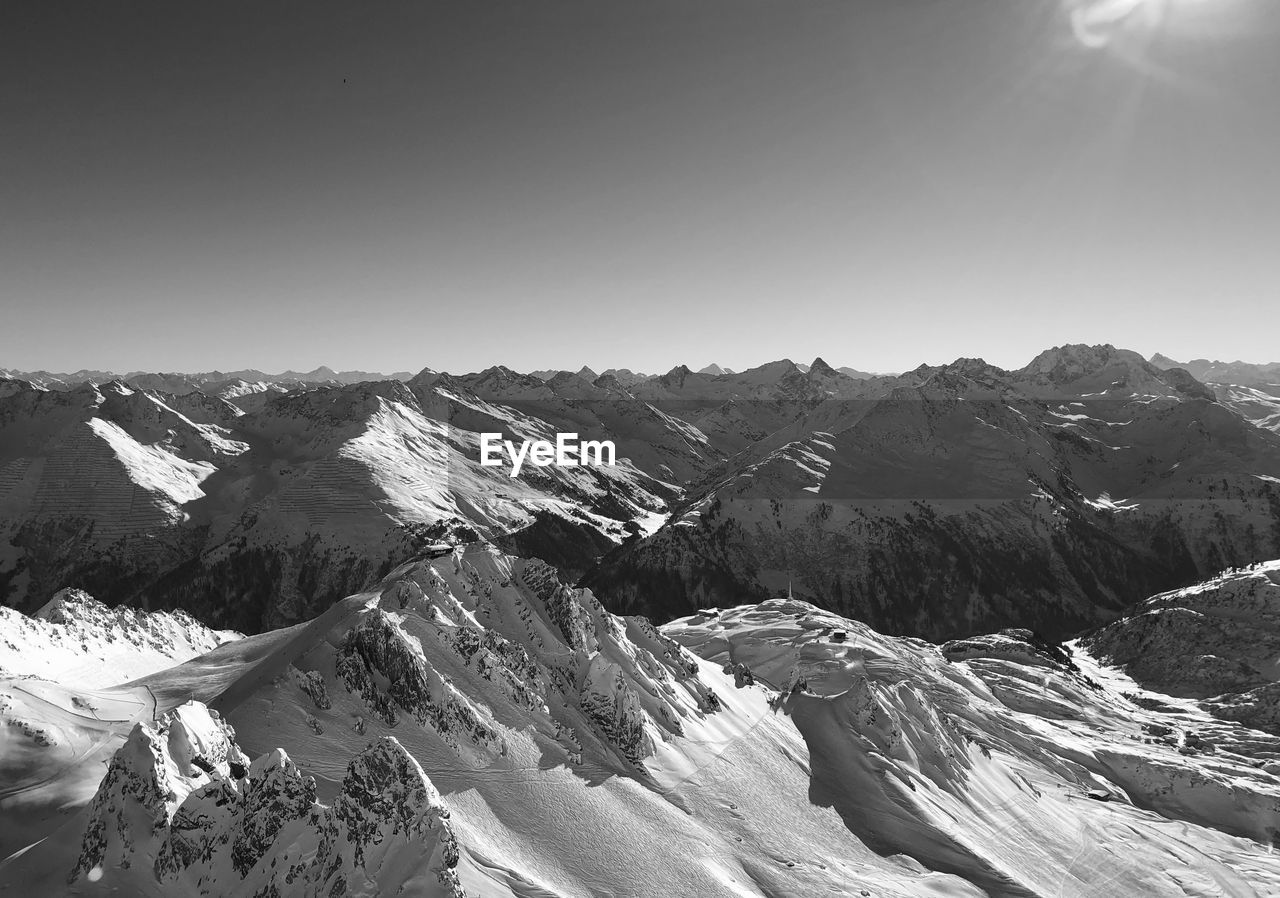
(636, 184)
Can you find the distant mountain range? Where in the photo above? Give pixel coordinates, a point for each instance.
(1251, 390)
(1050, 496)
(185, 382)
(217, 381)
(1201, 369)
(283, 637)
(1204, 370)
(960, 495)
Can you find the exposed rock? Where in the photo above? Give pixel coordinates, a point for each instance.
(1221, 636)
(264, 833)
(387, 817)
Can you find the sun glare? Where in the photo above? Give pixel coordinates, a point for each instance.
(1096, 23)
(1104, 23)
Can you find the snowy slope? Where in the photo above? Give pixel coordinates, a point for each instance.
(1218, 642)
(1217, 372)
(260, 518)
(76, 640)
(566, 743)
(475, 723)
(1008, 759)
(1251, 391)
(1259, 404)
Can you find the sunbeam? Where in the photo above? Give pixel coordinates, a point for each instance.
(1098, 24)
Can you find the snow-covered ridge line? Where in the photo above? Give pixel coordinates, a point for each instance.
(76, 640)
(475, 723)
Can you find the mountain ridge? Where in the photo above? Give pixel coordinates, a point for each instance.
(475, 725)
(261, 505)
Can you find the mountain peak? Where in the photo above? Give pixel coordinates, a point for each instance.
(1074, 359)
(69, 606)
(210, 813)
(386, 805)
(116, 387)
(775, 369)
(1220, 372)
(426, 376)
(1104, 369)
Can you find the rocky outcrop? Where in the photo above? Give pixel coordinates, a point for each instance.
(160, 765)
(546, 649)
(379, 651)
(1220, 636)
(76, 638)
(181, 800)
(388, 827)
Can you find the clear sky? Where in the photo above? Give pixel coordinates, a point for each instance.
(635, 183)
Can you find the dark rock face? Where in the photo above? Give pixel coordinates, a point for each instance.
(244, 817)
(1218, 641)
(386, 801)
(313, 685)
(249, 589)
(275, 794)
(564, 605)
(142, 784)
(1222, 636)
(571, 546)
(549, 649)
(608, 700)
(913, 571)
(263, 832)
(377, 646)
(942, 512)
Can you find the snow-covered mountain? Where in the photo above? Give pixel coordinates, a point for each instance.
(1259, 404)
(260, 518)
(76, 640)
(174, 382)
(962, 498)
(1251, 391)
(471, 722)
(783, 379)
(625, 376)
(1216, 372)
(1218, 641)
(1051, 496)
(475, 726)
